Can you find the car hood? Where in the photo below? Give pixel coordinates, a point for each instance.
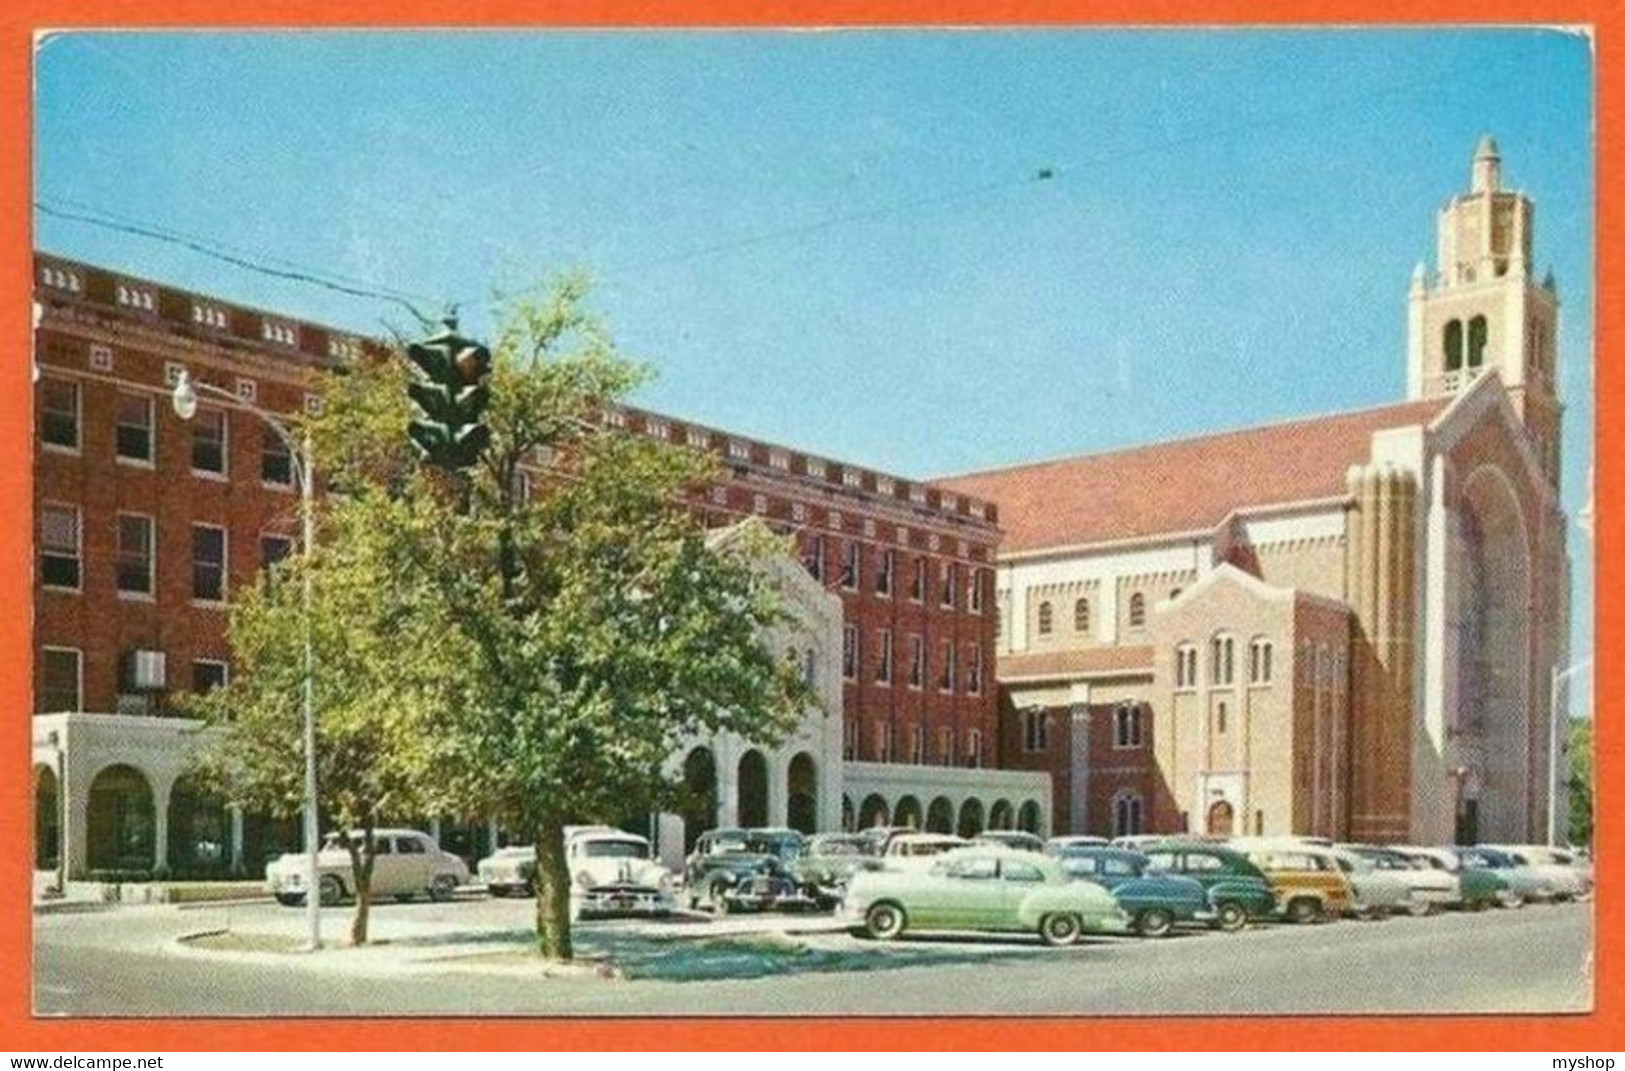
(621, 871)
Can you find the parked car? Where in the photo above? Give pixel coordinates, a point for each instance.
(1236, 888)
(914, 851)
(1476, 887)
(1077, 840)
(1429, 887)
(509, 871)
(612, 872)
(878, 837)
(747, 870)
(1010, 838)
(1309, 884)
(406, 863)
(1154, 900)
(983, 889)
(828, 862)
(1378, 892)
(1526, 883)
(1572, 879)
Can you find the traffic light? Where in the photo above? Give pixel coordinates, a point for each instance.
(451, 396)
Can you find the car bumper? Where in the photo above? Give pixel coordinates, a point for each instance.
(1109, 924)
(617, 902)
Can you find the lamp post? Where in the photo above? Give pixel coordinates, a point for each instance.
(1558, 678)
(185, 402)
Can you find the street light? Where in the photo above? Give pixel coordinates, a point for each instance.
(185, 403)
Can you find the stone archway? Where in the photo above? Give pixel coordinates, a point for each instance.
(699, 795)
(752, 789)
(802, 779)
(122, 823)
(970, 818)
(874, 812)
(939, 818)
(1030, 819)
(1002, 816)
(1491, 614)
(47, 819)
(909, 813)
(199, 832)
(1221, 819)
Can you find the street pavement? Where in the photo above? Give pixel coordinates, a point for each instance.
(125, 961)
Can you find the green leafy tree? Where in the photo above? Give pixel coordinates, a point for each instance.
(1581, 766)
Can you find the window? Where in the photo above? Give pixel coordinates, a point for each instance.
(207, 675)
(976, 869)
(885, 741)
(950, 584)
(409, 846)
(1127, 814)
(134, 554)
(1185, 666)
(59, 414)
(1224, 660)
(59, 680)
(849, 740)
(1035, 729)
(883, 579)
(945, 747)
(973, 670)
(1452, 346)
(1080, 616)
(849, 653)
(883, 662)
(1128, 725)
(1262, 662)
(1224, 709)
(916, 661)
(973, 749)
(1136, 610)
(978, 594)
(1023, 872)
(208, 563)
(209, 441)
(133, 436)
(738, 451)
(851, 567)
(274, 549)
(950, 667)
(59, 546)
(1046, 618)
(276, 460)
(814, 560)
(1478, 338)
(916, 746)
(916, 590)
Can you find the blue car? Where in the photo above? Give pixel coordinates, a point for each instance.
(1153, 900)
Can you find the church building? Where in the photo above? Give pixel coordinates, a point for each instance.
(1344, 625)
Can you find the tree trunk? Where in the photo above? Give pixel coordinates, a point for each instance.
(552, 891)
(361, 860)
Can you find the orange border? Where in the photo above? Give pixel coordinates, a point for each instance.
(1602, 1030)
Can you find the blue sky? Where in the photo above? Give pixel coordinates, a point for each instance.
(839, 240)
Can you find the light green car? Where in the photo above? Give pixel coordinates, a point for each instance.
(983, 889)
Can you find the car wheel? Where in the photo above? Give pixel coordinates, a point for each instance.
(1232, 917)
(884, 922)
(497, 891)
(443, 887)
(1303, 909)
(1509, 899)
(290, 899)
(1419, 908)
(332, 890)
(1060, 929)
(716, 898)
(1154, 922)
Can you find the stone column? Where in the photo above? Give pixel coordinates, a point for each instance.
(160, 825)
(1078, 763)
(778, 790)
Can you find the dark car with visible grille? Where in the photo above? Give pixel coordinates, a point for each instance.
(748, 870)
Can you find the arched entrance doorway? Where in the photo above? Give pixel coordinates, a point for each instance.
(1030, 817)
(940, 817)
(1221, 819)
(752, 789)
(122, 830)
(970, 818)
(47, 819)
(803, 799)
(874, 812)
(1002, 816)
(1494, 718)
(699, 795)
(909, 813)
(199, 832)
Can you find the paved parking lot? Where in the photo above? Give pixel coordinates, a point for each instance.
(123, 962)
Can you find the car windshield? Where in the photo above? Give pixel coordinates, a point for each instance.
(613, 849)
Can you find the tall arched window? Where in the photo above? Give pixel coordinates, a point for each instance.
(1080, 616)
(1128, 814)
(1224, 660)
(1262, 665)
(1478, 338)
(1046, 618)
(1452, 346)
(1127, 727)
(1185, 666)
(1136, 611)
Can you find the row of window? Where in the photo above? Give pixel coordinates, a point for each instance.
(885, 745)
(1129, 722)
(1222, 662)
(853, 573)
(948, 667)
(61, 546)
(1081, 613)
(1476, 339)
(135, 437)
(62, 678)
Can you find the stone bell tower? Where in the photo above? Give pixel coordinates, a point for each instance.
(1483, 308)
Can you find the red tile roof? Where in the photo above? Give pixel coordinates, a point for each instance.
(1184, 485)
(1070, 663)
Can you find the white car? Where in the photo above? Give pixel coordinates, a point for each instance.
(1378, 891)
(917, 851)
(1056, 845)
(611, 873)
(1571, 879)
(406, 863)
(1430, 886)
